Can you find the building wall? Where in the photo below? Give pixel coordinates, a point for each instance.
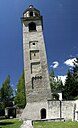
(33, 110)
(67, 110)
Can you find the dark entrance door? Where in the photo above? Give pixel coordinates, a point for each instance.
(43, 113)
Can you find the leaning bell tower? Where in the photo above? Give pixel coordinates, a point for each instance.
(38, 90)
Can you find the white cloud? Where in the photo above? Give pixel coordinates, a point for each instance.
(62, 78)
(69, 62)
(55, 64)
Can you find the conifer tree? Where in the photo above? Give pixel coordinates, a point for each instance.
(67, 92)
(20, 98)
(55, 83)
(70, 90)
(6, 92)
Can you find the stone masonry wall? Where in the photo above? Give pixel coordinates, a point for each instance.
(67, 109)
(33, 111)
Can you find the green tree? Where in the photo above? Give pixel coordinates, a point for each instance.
(55, 83)
(75, 67)
(68, 87)
(0, 95)
(1, 106)
(75, 75)
(20, 98)
(6, 92)
(70, 90)
(59, 84)
(52, 81)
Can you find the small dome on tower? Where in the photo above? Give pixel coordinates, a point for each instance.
(31, 6)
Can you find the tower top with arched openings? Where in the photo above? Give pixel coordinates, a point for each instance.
(31, 12)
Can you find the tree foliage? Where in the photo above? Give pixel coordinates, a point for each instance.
(75, 67)
(70, 90)
(20, 98)
(55, 83)
(67, 91)
(6, 92)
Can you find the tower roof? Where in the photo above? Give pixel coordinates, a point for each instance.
(31, 8)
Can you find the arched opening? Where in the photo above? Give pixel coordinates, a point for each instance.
(43, 113)
(36, 14)
(31, 13)
(32, 26)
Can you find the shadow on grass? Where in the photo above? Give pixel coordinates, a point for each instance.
(6, 123)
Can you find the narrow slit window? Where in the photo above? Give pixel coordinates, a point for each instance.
(34, 54)
(32, 82)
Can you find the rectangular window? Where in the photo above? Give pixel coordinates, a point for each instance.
(35, 67)
(34, 55)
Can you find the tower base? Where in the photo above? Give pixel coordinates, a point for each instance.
(35, 111)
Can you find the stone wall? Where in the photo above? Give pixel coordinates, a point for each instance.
(65, 109)
(54, 110)
(32, 111)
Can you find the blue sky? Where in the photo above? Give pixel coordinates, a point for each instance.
(60, 20)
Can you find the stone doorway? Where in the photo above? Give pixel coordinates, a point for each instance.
(43, 113)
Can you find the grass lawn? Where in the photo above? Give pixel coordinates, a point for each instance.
(10, 123)
(56, 125)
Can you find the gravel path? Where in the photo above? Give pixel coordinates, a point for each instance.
(27, 124)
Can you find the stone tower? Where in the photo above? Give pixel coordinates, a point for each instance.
(35, 66)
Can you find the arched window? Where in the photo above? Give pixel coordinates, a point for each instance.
(43, 113)
(32, 26)
(31, 13)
